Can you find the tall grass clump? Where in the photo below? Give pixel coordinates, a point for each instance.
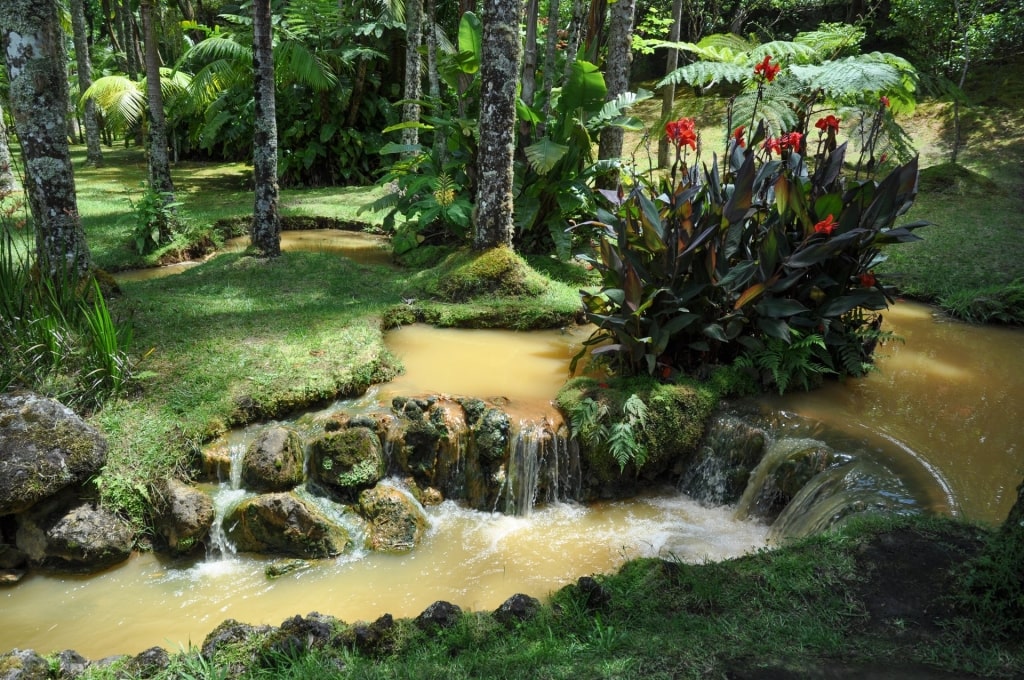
(58, 335)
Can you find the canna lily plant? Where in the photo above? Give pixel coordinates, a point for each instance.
(755, 258)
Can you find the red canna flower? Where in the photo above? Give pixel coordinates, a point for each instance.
(773, 145)
(791, 140)
(737, 134)
(767, 69)
(827, 123)
(826, 226)
(682, 133)
(884, 100)
(867, 279)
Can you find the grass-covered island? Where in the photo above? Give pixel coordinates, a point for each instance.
(238, 339)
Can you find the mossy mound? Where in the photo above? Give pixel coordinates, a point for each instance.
(955, 179)
(497, 272)
(605, 418)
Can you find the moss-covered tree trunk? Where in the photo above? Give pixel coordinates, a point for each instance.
(7, 182)
(499, 73)
(159, 159)
(616, 75)
(266, 223)
(413, 89)
(93, 154)
(34, 51)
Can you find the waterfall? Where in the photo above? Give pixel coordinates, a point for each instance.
(229, 494)
(543, 466)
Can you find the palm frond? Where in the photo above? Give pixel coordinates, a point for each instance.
(220, 46)
(121, 100)
(295, 62)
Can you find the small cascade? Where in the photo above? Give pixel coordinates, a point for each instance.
(543, 466)
(786, 466)
(831, 496)
(229, 494)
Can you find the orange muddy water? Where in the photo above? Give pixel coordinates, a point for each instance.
(945, 407)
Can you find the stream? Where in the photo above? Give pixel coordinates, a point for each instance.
(941, 413)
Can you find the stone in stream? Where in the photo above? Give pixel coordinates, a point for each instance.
(345, 463)
(69, 533)
(284, 524)
(182, 515)
(396, 520)
(519, 607)
(439, 615)
(44, 448)
(274, 460)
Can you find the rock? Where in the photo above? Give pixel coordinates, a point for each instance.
(67, 533)
(148, 663)
(279, 568)
(719, 471)
(228, 634)
(595, 596)
(70, 664)
(517, 608)
(182, 515)
(439, 615)
(44, 448)
(23, 664)
(786, 467)
(283, 523)
(397, 522)
(376, 639)
(11, 557)
(274, 461)
(346, 462)
(297, 635)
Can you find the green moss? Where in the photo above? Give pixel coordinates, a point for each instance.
(499, 271)
(671, 428)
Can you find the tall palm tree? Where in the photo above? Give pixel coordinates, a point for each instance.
(159, 158)
(93, 155)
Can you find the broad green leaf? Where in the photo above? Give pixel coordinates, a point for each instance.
(585, 89)
(544, 154)
(471, 38)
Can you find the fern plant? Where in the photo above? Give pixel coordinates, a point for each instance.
(617, 434)
(800, 362)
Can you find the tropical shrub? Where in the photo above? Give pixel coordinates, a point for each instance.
(767, 253)
(58, 335)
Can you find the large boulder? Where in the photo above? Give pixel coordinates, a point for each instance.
(44, 448)
(182, 515)
(284, 524)
(68, 533)
(274, 461)
(396, 520)
(346, 462)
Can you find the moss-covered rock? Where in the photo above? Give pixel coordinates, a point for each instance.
(23, 664)
(44, 448)
(345, 462)
(496, 272)
(634, 428)
(182, 515)
(396, 520)
(284, 524)
(273, 461)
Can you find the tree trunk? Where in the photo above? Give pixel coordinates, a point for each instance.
(577, 33)
(620, 56)
(133, 56)
(266, 223)
(33, 45)
(529, 79)
(7, 181)
(550, 47)
(93, 154)
(159, 160)
(499, 70)
(413, 91)
(668, 93)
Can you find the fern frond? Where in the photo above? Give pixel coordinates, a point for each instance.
(848, 78)
(784, 52)
(635, 410)
(832, 40)
(623, 445)
(708, 73)
(726, 41)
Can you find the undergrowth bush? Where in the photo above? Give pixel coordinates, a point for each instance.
(58, 335)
